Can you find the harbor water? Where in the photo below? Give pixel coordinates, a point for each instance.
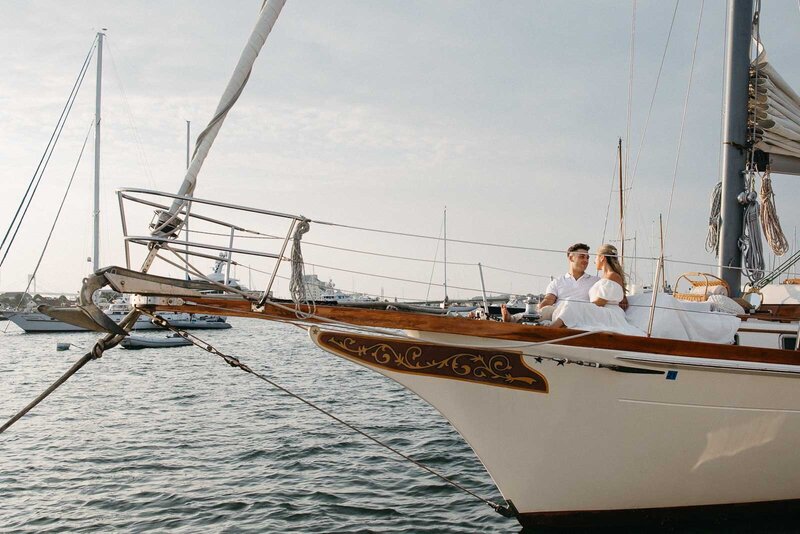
(176, 440)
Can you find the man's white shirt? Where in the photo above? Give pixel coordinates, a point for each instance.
(565, 287)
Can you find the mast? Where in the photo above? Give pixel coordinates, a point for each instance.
(734, 139)
(621, 208)
(188, 142)
(188, 160)
(96, 211)
(445, 256)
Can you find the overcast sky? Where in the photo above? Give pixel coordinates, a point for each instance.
(380, 114)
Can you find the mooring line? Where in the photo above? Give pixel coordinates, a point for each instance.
(100, 346)
(507, 510)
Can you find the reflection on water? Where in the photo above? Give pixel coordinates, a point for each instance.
(174, 438)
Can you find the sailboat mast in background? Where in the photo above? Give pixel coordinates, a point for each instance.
(446, 300)
(621, 208)
(96, 212)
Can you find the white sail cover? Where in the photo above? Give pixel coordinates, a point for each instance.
(774, 110)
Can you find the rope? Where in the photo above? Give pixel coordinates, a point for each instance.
(297, 287)
(714, 220)
(100, 346)
(236, 363)
(769, 218)
(750, 244)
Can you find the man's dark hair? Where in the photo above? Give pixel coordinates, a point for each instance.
(578, 246)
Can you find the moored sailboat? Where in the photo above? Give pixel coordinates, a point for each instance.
(575, 427)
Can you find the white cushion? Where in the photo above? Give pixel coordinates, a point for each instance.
(725, 304)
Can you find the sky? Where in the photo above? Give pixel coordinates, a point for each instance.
(379, 115)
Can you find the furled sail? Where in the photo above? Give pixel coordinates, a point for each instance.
(774, 116)
(266, 20)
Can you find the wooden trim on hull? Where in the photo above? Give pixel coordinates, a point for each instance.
(756, 516)
(491, 329)
(489, 367)
(785, 312)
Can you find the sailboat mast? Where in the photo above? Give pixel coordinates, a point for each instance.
(96, 211)
(621, 208)
(445, 255)
(188, 161)
(734, 139)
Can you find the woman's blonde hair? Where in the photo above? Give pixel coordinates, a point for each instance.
(612, 257)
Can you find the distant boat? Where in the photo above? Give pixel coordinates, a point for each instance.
(37, 322)
(142, 342)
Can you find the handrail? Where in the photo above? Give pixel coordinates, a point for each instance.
(184, 215)
(197, 200)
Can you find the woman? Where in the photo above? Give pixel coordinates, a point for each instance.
(603, 312)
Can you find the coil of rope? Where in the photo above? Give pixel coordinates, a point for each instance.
(770, 222)
(297, 286)
(714, 220)
(750, 242)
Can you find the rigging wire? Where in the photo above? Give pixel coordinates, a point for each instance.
(235, 362)
(58, 214)
(683, 119)
(449, 239)
(140, 152)
(433, 267)
(610, 195)
(48, 152)
(630, 102)
(653, 98)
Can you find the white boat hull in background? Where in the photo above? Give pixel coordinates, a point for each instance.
(36, 322)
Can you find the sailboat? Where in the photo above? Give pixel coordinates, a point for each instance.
(38, 322)
(576, 428)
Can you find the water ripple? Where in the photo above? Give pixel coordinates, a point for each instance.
(174, 440)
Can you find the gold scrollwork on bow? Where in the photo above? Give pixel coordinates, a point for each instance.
(491, 367)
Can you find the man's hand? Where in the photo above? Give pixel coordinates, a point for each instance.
(548, 300)
(624, 303)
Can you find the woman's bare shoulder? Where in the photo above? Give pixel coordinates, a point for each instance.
(614, 277)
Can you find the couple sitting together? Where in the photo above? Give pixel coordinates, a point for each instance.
(587, 302)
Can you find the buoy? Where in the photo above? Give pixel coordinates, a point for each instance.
(62, 346)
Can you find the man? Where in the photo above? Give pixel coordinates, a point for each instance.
(574, 285)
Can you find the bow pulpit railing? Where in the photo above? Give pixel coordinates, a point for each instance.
(202, 230)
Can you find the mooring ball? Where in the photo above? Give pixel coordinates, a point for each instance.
(62, 346)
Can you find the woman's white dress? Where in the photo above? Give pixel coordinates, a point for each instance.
(584, 315)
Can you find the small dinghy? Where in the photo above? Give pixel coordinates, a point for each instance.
(143, 342)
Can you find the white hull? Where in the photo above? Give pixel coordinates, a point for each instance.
(600, 440)
(40, 323)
